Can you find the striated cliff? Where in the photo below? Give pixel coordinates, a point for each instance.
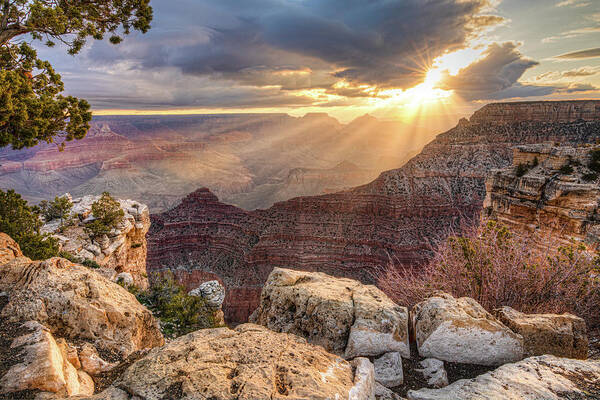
(394, 219)
(549, 192)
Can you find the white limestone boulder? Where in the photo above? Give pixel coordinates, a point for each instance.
(434, 372)
(461, 331)
(388, 370)
(536, 378)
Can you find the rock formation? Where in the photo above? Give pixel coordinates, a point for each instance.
(461, 331)
(536, 378)
(122, 251)
(56, 318)
(560, 335)
(342, 315)
(249, 362)
(394, 219)
(549, 192)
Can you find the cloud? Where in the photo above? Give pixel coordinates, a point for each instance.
(589, 53)
(572, 34)
(495, 75)
(581, 72)
(574, 3)
(279, 46)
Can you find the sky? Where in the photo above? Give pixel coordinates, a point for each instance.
(409, 60)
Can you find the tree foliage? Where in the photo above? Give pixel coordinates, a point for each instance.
(178, 312)
(22, 222)
(59, 208)
(32, 110)
(107, 213)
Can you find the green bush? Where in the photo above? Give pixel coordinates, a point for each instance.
(108, 215)
(566, 169)
(521, 169)
(178, 312)
(590, 177)
(90, 263)
(22, 222)
(594, 163)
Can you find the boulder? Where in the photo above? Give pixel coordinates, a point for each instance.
(249, 362)
(434, 372)
(364, 380)
(9, 249)
(124, 278)
(342, 315)
(383, 393)
(91, 362)
(536, 378)
(78, 303)
(560, 335)
(44, 366)
(388, 370)
(212, 292)
(461, 331)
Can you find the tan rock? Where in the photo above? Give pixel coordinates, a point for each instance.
(124, 251)
(79, 303)
(69, 352)
(44, 367)
(9, 249)
(560, 335)
(364, 380)
(342, 315)
(250, 362)
(91, 362)
(460, 330)
(535, 378)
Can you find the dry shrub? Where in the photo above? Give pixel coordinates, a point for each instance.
(498, 268)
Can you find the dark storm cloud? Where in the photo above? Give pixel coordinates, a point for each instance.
(381, 42)
(495, 76)
(576, 55)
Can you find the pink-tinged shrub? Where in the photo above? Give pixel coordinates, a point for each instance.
(498, 268)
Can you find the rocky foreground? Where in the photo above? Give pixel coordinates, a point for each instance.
(352, 233)
(66, 331)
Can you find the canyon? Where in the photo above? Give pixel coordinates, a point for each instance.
(250, 160)
(392, 221)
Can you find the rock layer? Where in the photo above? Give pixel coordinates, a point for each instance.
(548, 193)
(394, 219)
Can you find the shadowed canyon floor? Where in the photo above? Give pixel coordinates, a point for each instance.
(394, 219)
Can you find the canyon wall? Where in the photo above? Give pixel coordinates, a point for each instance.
(549, 193)
(392, 220)
(250, 160)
